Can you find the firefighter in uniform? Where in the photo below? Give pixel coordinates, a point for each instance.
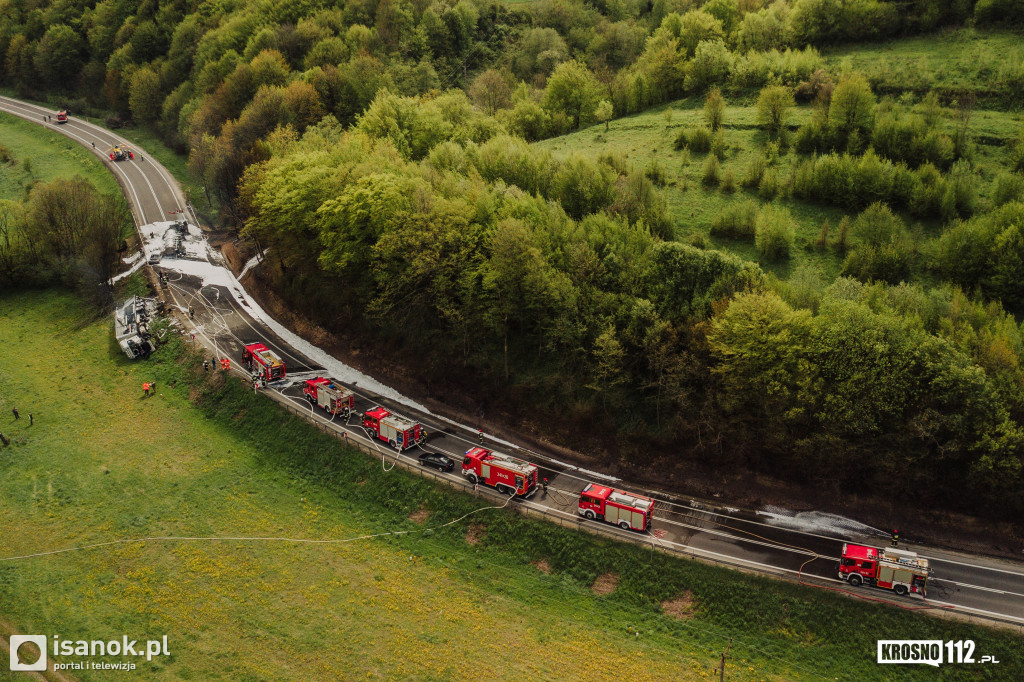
(895, 537)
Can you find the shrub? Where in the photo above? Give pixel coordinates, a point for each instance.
(818, 87)
(5, 155)
(714, 109)
(964, 251)
(774, 233)
(773, 105)
(729, 181)
(928, 188)
(822, 241)
(755, 171)
(655, 173)
(712, 170)
(1008, 187)
(770, 186)
(696, 139)
(736, 221)
(960, 198)
(1017, 155)
(843, 235)
(889, 263)
(718, 145)
(877, 225)
(711, 63)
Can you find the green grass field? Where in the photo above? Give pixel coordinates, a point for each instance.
(50, 156)
(103, 463)
(986, 63)
(648, 138)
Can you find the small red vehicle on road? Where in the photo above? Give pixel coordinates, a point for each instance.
(330, 396)
(626, 510)
(505, 473)
(898, 570)
(62, 116)
(398, 432)
(261, 361)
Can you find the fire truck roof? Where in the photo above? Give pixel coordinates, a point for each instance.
(507, 460)
(904, 558)
(399, 423)
(630, 500)
(860, 552)
(328, 383)
(377, 413)
(599, 491)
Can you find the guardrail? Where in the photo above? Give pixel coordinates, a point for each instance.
(580, 525)
(571, 521)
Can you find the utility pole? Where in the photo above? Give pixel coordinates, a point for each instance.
(721, 668)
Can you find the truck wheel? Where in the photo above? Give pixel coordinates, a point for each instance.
(589, 514)
(393, 443)
(309, 398)
(624, 525)
(472, 478)
(855, 579)
(901, 590)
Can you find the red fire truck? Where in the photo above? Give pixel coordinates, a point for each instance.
(890, 569)
(62, 116)
(261, 361)
(398, 432)
(329, 395)
(626, 510)
(505, 473)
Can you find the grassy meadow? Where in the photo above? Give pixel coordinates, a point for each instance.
(39, 155)
(985, 63)
(493, 596)
(647, 141)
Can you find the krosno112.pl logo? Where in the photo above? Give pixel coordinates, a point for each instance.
(929, 652)
(67, 647)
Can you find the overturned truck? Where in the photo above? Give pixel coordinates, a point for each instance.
(131, 326)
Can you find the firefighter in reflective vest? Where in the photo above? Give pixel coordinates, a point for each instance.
(895, 537)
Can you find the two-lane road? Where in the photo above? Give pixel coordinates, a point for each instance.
(225, 318)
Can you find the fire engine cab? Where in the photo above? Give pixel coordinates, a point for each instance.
(891, 569)
(505, 473)
(331, 397)
(626, 510)
(261, 361)
(62, 116)
(398, 432)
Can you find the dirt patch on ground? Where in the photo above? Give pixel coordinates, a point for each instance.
(476, 533)
(605, 583)
(681, 608)
(419, 516)
(193, 395)
(543, 566)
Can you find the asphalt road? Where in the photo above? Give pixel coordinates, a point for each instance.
(225, 320)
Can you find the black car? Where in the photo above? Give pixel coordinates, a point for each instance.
(437, 460)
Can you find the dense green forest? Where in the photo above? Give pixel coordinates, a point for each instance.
(384, 152)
